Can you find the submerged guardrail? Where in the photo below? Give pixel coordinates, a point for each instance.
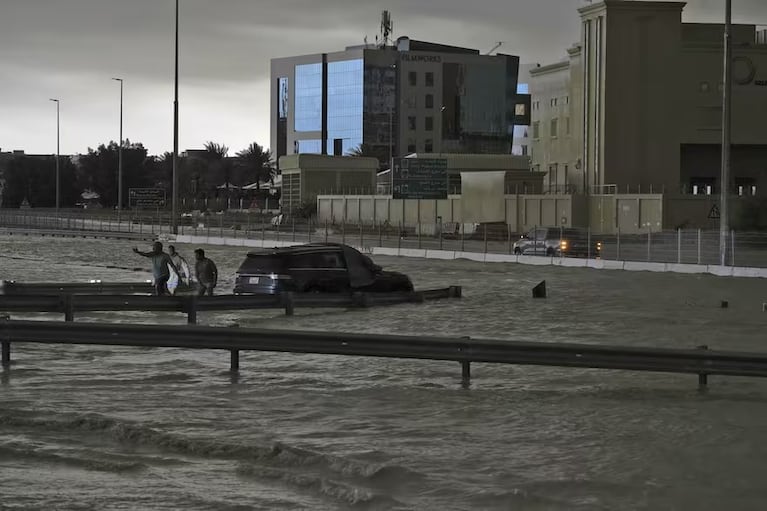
(464, 350)
(69, 303)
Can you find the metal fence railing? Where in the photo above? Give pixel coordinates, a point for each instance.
(684, 246)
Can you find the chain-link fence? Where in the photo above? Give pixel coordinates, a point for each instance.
(684, 246)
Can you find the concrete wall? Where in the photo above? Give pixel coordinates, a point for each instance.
(520, 212)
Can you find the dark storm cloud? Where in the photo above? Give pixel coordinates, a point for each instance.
(70, 49)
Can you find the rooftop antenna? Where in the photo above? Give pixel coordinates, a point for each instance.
(497, 45)
(386, 28)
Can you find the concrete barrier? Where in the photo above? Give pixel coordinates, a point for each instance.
(500, 258)
(685, 268)
(644, 266)
(471, 256)
(440, 254)
(574, 262)
(742, 271)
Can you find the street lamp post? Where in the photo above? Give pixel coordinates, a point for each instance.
(120, 151)
(58, 148)
(174, 185)
(726, 122)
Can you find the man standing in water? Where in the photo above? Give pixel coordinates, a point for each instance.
(160, 263)
(184, 274)
(207, 273)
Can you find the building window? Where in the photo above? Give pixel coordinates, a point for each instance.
(344, 114)
(524, 150)
(282, 98)
(428, 145)
(553, 101)
(567, 126)
(536, 127)
(554, 128)
(411, 122)
(308, 97)
(430, 101)
(567, 100)
(412, 78)
(704, 87)
(429, 79)
(429, 124)
(411, 146)
(411, 102)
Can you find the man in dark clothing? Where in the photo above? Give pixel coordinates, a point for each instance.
(161, 266)
(206, 272)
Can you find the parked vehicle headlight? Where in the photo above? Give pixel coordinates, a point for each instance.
(563, 245)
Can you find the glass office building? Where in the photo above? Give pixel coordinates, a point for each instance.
(389, 102)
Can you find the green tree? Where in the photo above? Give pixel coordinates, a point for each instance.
(257, 164)
(97, 170)
(34, 178)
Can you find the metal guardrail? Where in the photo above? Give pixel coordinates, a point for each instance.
(68, 303)
(702, 362)
(74, 233)
(11, 287)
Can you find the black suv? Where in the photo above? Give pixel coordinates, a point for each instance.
(316, 267)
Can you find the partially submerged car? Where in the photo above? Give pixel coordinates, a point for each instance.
(556, 241)
(315, 267)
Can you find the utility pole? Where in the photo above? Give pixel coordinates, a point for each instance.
(174, 185)
(120, 152)
(58, 147)
(726, 124)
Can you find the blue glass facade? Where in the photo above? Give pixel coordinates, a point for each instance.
(308, 97)
(309, 146)
(345, 98)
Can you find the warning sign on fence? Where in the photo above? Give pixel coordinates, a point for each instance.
(714, 213)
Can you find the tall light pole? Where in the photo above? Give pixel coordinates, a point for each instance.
(58, 147)
(120, 152)
(174, 185)
(726, 123)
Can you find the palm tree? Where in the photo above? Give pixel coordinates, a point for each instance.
(362, 150)
(215, 156)
(257, 163)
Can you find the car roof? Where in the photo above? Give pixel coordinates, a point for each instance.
(299, 249)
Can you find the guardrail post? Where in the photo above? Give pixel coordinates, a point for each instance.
(288, 303)
(702, 377)
(465, 373)
(5, 345)
(68, 306)
(191, 310)
(234, 360)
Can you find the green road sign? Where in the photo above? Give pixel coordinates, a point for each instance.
(419, 178)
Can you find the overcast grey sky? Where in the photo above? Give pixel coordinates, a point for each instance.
(69, 49)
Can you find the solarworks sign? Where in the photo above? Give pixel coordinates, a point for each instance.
(411, 57)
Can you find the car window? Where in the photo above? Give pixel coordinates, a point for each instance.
(254, 263)
(317, 260)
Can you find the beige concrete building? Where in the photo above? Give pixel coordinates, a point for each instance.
(304, 176)
(636, 105)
